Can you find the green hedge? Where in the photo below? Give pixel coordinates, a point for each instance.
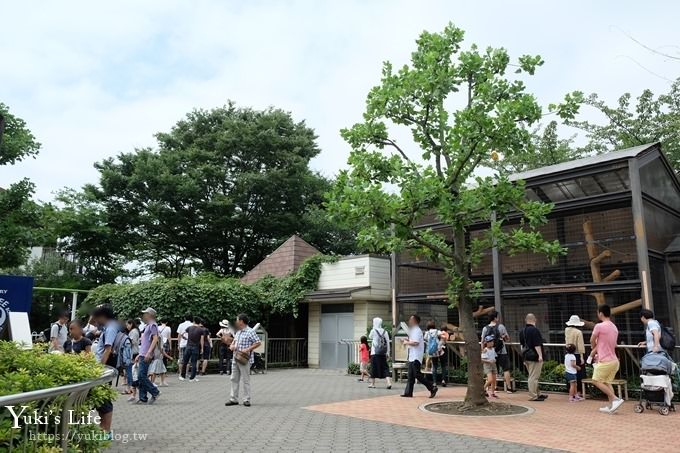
(35, 369)
(209, 296)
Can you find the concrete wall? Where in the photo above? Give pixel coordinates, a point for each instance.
(356, 272)
(313, 339)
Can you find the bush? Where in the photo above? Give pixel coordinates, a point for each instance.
(208, 295)
(353, 368)
(35, 369)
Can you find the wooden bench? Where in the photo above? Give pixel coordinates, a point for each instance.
(616, 382)
(398, 370)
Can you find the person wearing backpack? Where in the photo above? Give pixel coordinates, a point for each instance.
(148, 351)
(652, 332)
(435, 352)
(500, 334)
(380, 350)
(104, 317)
(59, 333)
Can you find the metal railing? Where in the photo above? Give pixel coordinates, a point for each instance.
(287, 352)
(52, 403)
(281, 352)
(629, 357)
(353, 354)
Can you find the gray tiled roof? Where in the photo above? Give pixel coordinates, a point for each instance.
(580, 163)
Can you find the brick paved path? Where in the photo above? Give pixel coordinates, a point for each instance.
(192, 417)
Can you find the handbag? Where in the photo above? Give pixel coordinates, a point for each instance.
(241, 357)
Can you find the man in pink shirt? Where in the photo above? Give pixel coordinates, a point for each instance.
(603, 341)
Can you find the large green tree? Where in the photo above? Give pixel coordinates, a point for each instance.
(461, 108)
(19, 215)
(632, 122)
(221, 189)
(546, 148)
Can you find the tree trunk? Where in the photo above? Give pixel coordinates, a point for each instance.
(475, 386)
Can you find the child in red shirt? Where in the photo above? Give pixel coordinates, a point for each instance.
(363, 355)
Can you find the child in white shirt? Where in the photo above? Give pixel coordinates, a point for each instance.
(489, 362)
(571, 369)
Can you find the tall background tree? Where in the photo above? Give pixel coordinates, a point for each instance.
(19, 215)
(546, 148)
(461, 109)
(630, 122)
(220, 191)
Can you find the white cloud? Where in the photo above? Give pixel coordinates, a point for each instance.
(96, 80)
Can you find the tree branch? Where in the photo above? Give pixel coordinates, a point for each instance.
(429, 245)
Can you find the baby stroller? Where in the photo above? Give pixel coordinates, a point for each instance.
(258, 364)
(656, 390)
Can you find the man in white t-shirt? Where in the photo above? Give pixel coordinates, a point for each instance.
(182, 336)
(416, 349)
(652, 332)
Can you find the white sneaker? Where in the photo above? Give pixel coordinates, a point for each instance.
(193, 380)
(605, 409)
(181, 378)
(615, 405)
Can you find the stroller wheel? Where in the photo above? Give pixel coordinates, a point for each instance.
(638, 408)
(664, 410)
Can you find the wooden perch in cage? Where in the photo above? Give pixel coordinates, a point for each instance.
(481, 311)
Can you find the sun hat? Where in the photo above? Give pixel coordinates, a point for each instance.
(224, 323)
(150, 311)
(575, 321)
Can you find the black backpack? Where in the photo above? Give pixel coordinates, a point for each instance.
(497, 340)
(667, 340)
(47, 332)
(381, 349)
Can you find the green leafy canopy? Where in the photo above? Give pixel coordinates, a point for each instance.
(210, 296)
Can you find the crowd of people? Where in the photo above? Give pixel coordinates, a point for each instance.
(374, 349)
(140, 349)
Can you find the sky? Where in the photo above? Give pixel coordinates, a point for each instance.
(95, 79)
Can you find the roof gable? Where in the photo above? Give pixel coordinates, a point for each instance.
(283, 261)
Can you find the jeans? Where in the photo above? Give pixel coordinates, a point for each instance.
(240, 373)
(190, 355)
(225, 358)
(534, 369)
(414, 374)
(439, 362)
(128, 375)
(145, 384)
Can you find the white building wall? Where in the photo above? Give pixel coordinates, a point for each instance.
(313, 339)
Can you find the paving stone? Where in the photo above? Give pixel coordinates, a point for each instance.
(191, 417)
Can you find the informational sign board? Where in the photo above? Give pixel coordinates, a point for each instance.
(16, 294)
(19, 329)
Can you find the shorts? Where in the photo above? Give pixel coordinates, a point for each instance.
(490, 368)
(605, 372)
(570, 377)
(503, 362)
(206, 353)
(363, 367)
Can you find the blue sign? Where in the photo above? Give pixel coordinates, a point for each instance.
(16, 294)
